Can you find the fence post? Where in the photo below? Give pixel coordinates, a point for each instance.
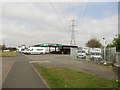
(73, 53)
(118, 66)
(118, 59)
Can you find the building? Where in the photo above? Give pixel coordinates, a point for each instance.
(56, 48)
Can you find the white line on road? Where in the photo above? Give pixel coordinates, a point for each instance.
(39, 61)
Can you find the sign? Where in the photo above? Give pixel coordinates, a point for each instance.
(45, 44)
(59, 45)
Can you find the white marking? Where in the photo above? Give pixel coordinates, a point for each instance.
(39, 61)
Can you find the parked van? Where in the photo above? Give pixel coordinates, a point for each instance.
(35, 50)
(95, 54)
(81, 54)
(86, 49)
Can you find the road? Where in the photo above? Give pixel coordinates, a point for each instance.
(22, 75)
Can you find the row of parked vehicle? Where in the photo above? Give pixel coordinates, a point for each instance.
(34, 50)
(82, 53)
(37, 50)
(93, 53)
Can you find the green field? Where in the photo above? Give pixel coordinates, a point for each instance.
(67, 78)
(8, 54)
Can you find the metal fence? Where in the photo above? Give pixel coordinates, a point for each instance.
(117, 59)
(109, 55)
(73, 53)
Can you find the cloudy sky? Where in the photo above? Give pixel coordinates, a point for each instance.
(32, 23)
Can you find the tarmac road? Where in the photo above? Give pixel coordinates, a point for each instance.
(22, 75)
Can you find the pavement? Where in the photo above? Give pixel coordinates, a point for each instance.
(22, 75)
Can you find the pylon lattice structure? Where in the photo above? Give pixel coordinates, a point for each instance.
(73, 42)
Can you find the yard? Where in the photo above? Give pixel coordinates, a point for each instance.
(8, 54)
(57, 77)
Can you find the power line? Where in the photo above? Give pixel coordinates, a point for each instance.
(80, 15)
(61, 6)
(84, 13)
(57, 14)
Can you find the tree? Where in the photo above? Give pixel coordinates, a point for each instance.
(12, 48)
(115, 43)
(110, 45)
(3, 47)
(93, 43)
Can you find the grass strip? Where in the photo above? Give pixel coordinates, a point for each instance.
(8, 54)
(57, 77)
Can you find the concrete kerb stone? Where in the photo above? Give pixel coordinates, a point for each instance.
(39, 75)
(9, 69)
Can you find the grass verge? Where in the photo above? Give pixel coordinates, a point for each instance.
(67, 78)
(8, 54)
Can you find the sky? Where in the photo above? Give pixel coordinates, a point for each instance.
(30, 23)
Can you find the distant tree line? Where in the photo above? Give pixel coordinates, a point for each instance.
(3, 47)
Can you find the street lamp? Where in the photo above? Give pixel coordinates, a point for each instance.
(104, 49)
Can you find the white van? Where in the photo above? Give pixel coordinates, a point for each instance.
(35, 50)
(86, 49)
(81, 54)
(95, 54)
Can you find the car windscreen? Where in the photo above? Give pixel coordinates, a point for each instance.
(80, 51)
(95, 54)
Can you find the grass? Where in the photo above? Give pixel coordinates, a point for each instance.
(68, 78)
(8, 54)
(115, 69)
